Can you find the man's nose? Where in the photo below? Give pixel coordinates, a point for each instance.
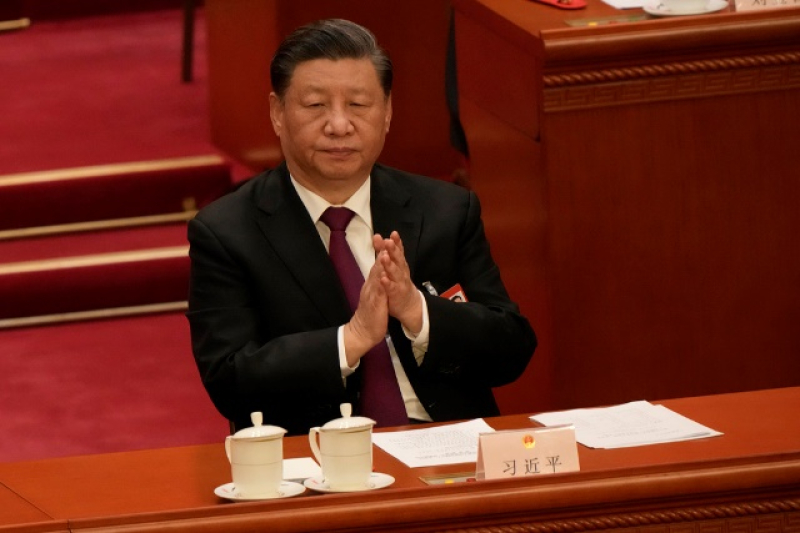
(339, 121)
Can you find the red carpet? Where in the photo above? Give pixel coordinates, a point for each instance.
(82, 92)
(99, 90)
(83, 388)
(92, 242)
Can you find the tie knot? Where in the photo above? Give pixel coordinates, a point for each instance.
(337, 218)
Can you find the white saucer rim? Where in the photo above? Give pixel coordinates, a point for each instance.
(316, 483)
(296, 489)
(712, 7)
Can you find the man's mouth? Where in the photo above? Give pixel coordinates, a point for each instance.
(341, 153)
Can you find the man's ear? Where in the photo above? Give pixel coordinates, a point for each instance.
(388, 112)
(276, 113)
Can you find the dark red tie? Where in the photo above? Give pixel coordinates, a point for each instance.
(380, 393)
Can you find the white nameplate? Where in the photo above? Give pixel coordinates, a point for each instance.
(753, 5)
(527, 452)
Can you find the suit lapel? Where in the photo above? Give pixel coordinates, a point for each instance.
(392, 210)
(290, 232)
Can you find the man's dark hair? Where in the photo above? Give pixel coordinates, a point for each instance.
(328, 39)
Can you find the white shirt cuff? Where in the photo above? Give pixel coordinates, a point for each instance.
(346, 370)
(419, 342)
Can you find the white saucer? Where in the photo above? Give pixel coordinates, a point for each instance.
(286, 490)
(658, 9)
(376, 481)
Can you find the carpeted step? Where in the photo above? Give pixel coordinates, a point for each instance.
(35, 199)
(88, 271)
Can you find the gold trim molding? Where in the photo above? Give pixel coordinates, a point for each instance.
(761, 517)
(24, 178)
(671, 69)
(94, 314)
(671, 81)
(18, 24)
(96, 225)
(112, 258)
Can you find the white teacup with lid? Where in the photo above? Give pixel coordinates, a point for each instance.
(256, 457)
(345, 450)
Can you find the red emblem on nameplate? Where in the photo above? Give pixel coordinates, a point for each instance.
(528, 441)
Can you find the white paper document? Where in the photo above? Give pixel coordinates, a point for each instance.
(630, 424)
(441, 445)
(300, 468)
(625, 4)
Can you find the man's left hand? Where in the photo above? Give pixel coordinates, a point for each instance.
(403, 298)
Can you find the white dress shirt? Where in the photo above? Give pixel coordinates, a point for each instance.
(359, 238)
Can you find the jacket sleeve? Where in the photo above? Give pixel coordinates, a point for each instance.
(485, 341)
(247, 359)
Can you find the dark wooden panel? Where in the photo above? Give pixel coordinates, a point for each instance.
(241, 37)
(661, 186)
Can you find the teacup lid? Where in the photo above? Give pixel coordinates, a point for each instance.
(259, 430)
(347, 421)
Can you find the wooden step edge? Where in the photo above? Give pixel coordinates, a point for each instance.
(96, 225)
(17, 24)
(93, 260)
(110, 170)
(94, 314)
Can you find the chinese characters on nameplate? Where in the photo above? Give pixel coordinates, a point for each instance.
(527, 452)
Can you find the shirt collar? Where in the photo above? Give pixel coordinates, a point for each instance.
(316, 205)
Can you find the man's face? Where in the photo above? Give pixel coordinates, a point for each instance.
(332, 122)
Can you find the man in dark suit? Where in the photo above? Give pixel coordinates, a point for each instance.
(272, 327)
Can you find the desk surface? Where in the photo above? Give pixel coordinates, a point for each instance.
(15, 510)
(534, 18)
(760, 450)
(562, 40)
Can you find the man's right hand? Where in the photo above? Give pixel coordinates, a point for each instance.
(370, 320)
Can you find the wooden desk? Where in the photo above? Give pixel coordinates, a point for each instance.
(748, 479)
(15, 512)
(640, 185)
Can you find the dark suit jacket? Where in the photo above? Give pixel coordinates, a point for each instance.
(265, 303)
